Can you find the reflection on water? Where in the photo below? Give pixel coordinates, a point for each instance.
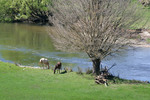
(28, 36)
(26, 44)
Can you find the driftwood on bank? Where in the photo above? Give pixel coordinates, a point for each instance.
(103, 77)
(100, 79)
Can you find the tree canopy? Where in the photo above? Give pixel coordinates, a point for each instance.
(19, 10)
(97, 27)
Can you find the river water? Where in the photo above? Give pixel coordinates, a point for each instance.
(26, 44)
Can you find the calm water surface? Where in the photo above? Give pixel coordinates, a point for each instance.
(26, 44)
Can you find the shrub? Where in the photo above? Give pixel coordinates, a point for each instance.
(79, 71)
(89, 71)
(71, 70)
(68, 69)
(148, 40)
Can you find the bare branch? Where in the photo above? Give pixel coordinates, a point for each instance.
(97, 27)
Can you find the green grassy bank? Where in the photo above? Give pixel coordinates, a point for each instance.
(36, 84)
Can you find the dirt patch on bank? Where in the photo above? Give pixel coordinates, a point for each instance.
(140, 37)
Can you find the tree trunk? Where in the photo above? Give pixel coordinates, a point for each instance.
(96, 66)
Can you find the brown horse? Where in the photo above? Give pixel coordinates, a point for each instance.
(57, 67)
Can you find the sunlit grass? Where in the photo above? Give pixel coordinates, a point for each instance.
(36, 84)
(145, 23)
(144, 13)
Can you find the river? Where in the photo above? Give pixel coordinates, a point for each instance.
(26, 44)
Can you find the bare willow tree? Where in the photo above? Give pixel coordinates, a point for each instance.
(97, 27)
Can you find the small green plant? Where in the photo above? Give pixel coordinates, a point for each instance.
(71, 70)
(89, 71)
(79, 71)
(138, 37)
(148, 40)
(134, 36)
(68, 69)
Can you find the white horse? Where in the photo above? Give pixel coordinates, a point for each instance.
(44, 62)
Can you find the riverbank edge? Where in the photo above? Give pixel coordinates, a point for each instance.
(139, 38)
(111, 78)
(135, 43)
(26, 21)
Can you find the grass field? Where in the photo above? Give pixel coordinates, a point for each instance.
(144, 21)
(36, 84)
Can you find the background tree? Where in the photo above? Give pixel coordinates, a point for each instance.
(97, 27)
(24, 10)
